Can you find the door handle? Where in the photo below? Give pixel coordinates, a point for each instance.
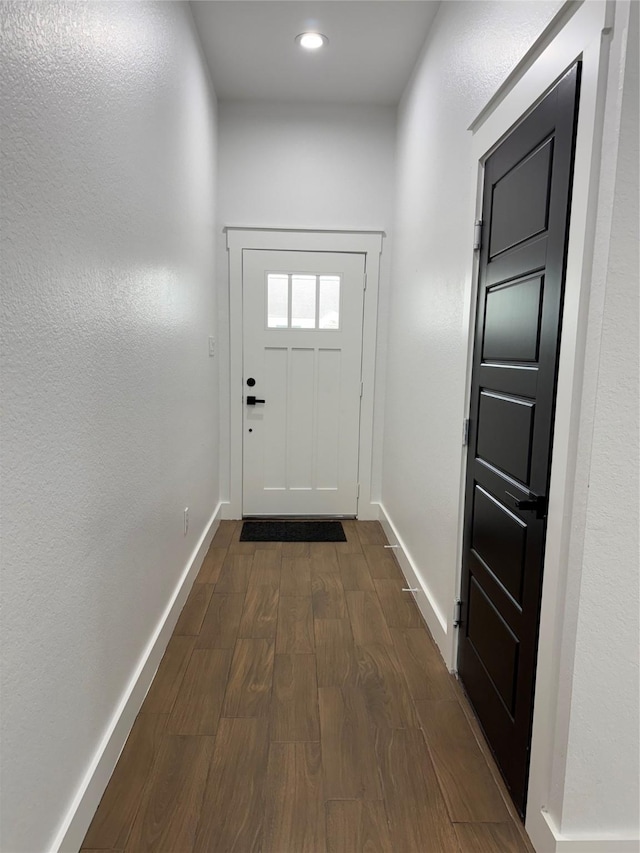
(251, 400)
(536, 503)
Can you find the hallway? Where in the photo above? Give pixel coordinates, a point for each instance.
(147, 148)
(302, 706)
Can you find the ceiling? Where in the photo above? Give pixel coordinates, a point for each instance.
(373, 47)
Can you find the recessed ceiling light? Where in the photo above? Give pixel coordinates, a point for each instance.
(311, 41)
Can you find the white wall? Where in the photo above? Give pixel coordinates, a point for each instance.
(469, 51)
(598, 792)
(284, 165)
(109, 397)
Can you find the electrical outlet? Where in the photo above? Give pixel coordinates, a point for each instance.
(186, 520)
(212, 346)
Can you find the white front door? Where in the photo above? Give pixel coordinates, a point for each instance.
(302, 332)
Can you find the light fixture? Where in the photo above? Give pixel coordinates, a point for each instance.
(311, 41)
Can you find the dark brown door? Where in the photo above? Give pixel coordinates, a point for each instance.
(527, 189)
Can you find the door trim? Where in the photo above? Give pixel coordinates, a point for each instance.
(579, 31)
(367, 243)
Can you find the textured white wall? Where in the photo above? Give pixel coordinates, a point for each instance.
(601, 792)
(305, 166)
(109, 397)
(470, 49)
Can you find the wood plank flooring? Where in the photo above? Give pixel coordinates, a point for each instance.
(302, 707)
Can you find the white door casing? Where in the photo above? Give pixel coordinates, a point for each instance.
(302, 354)
(239, 241)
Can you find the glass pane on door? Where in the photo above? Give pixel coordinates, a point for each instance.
(277, 301)
(303, 302)
(329, 302)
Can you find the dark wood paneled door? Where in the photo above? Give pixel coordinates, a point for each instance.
(527, 190)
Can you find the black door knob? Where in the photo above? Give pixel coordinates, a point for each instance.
(535, 503)
(251, 401)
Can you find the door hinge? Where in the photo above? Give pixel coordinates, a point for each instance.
(466, 426)
(457, 613)
(361, 388)
(358, 491)
(365, 281)
(477, 235)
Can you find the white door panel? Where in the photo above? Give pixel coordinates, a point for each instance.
(302, 328)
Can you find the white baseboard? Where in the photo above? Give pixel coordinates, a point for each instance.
(431, 614)
(546, 838)
(76, 823)
(229, 512)
(368, 512)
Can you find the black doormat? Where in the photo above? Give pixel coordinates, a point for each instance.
(292, 531)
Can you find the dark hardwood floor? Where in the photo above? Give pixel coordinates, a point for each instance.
(302, 707)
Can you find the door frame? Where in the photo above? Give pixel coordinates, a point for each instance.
(367, 243)
(578, 31)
